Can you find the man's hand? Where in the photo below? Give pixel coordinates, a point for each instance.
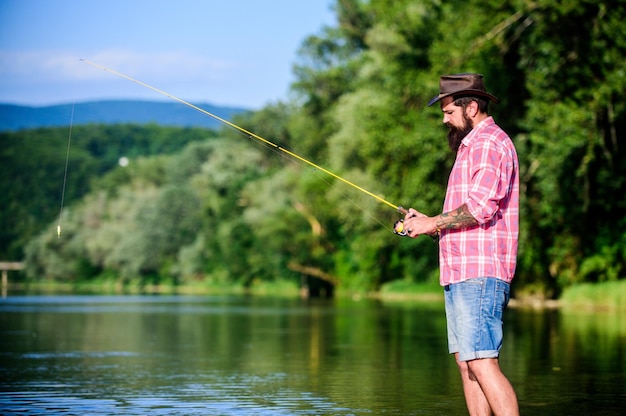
(416, 224)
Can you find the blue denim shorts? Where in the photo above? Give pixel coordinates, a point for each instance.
(474, 310)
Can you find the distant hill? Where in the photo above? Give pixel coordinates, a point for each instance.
(17, 117)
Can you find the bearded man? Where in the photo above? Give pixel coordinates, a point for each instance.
(478, 236)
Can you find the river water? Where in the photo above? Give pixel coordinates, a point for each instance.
(217, 355)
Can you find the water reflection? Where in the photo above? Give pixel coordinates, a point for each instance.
(259, 356)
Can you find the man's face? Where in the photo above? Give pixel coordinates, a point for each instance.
(459, 124)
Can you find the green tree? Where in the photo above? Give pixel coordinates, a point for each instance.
(33, 164)
(573, 60)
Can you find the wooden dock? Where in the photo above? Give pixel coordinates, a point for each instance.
(5, 266)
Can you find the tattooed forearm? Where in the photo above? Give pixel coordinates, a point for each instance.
(458, 218)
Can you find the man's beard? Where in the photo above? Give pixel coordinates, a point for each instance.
(457, 134)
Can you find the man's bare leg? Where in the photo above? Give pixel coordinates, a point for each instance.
(477, 403)
(494, 387)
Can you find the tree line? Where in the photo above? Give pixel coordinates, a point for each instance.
(222, 208)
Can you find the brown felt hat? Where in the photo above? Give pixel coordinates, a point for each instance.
(467, 85)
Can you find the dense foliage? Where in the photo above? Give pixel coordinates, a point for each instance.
(225, 210)
(33, 170)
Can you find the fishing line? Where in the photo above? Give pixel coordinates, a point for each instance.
(67, 162)
(250, 134)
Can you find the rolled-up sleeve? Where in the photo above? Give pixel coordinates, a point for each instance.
(490, 174)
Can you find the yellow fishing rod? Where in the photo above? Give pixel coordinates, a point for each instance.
(255, 136)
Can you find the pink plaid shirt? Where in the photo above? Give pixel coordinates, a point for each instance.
(485, 177)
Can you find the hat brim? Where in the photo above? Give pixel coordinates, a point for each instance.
(465, 93)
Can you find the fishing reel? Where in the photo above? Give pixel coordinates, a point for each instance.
(398, 228)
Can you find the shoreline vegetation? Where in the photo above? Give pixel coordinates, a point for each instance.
(605, 296)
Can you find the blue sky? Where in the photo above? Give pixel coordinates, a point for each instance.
(223, 52)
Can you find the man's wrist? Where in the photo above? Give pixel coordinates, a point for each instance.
(438, 224)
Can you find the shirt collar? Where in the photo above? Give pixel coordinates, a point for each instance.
(480, 126)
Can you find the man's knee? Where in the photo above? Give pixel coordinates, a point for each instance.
(482, 367)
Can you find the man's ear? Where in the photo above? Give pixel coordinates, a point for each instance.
(472, 109)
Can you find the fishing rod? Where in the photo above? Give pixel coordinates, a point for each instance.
(255, 136)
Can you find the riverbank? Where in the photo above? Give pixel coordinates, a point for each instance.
(594, 297)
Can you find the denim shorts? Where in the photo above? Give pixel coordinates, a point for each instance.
(474, 310)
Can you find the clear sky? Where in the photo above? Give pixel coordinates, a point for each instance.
(223, 52)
